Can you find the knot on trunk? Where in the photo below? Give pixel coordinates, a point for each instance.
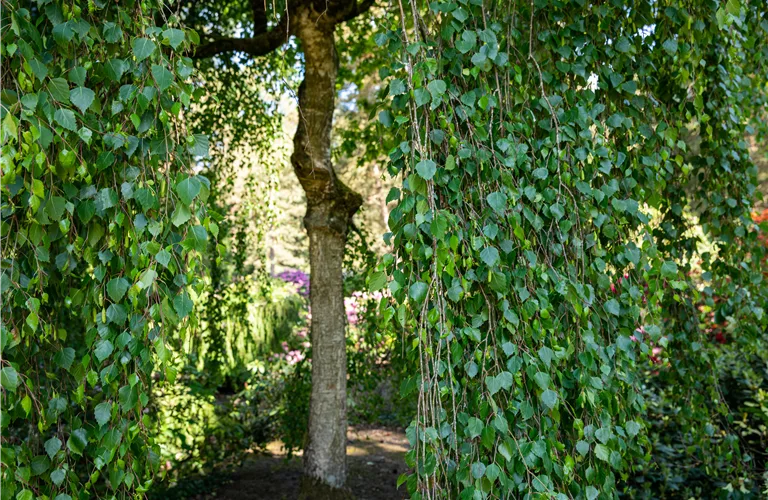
(334, 211)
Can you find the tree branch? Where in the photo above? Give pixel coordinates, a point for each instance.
(258, 45)
(354, 10)
(259, 9)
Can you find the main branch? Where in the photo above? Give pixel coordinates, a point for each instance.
(259, 45)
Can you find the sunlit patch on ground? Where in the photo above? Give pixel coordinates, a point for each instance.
(375, 459)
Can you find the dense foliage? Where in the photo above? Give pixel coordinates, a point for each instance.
(557, 159)
(103, 224)
(576, 271)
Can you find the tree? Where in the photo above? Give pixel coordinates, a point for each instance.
(330, 208)
(541, 237)
(102, 226)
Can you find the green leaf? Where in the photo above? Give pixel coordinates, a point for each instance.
(385, 118)
(426, 169)
(143, 48)
(9, 378)
(10, 128)
(64, 358)
(197, 239)
(474, 427)
(82, 97)
(377, 281)
(582, 447)
(63, 33)
(147, 278)
(602, 452)
(188, 189)
(478, 470)
(437, 88)
(467, 41)
(115, 68)
(112, 32)
(615, 120)
(540, 173)
(128, 397)
(103, 413)
(199, 146)
(396, 87)
(557, 211)
(39, 69)
(117, 287)
(103, 349)
(40, 464)
(181, 215)
(670, 46)
(505, 450)
(52, 446)
(58, 476)
(623, 45)
(546, 355)
(733, 7)
(32, 320)
(497, 201)
(182, 304)
(542, 380)
(65, 118)
(612, 306)
(418, 291)
(669, 269)
(421, 96)
(116, 314)
(26, 404)
(77, 441)
(163, 257)
(162, 76)
(604, 434)
(492, 472)
(461, 15)
(25, 494)
(56, 204)
(175, 37)
(501, 381)
(632, 428)
(592, 493)
(549, 398)
(490, 256)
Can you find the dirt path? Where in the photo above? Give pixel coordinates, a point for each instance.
(375, 459)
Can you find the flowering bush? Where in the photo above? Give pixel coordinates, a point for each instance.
(297, 277)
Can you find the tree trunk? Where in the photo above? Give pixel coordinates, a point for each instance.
(330, 207)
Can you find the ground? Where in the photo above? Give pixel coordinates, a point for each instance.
(375, 458)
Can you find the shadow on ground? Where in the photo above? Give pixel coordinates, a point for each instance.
(375, 460)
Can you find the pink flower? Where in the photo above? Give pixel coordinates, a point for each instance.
(294, 357)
